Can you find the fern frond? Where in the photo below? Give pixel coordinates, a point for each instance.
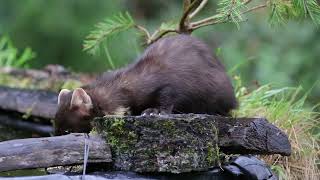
(108, 28)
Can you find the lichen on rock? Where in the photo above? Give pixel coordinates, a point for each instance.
(172, 143)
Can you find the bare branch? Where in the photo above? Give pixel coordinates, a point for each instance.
(184, 22)
(194, 27)
(246, 2)
(199, 8)
(255, 8)
(186, 4)
(206, 23)
(211, 20)
(155, 38)
(143, 30)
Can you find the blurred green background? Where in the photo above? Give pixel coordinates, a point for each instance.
(55, 30)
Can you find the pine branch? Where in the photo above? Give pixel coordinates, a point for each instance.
(228, 11)
(108, 28)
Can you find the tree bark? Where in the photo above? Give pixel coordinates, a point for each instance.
(38, 103)
(7, 119)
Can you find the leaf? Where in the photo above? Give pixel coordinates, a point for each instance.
(110, 27)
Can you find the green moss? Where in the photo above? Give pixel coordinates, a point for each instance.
(169, 124)
(213, 154)
(71, 84)
(29, 83)
(118, 136)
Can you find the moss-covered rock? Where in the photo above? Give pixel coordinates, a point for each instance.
(161, 144)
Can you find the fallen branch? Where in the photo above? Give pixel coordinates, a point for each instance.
(16, 122)
(38, 103)
(51, 151)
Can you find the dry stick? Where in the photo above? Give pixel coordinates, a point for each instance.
(161, 35)
(255, 8)
(183, 25)
(182, 29)
(199, 8)
(144, 30)
(246, 2)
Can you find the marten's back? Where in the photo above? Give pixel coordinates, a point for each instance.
(188, 67)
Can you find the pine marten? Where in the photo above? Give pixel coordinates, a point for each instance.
(176, 74)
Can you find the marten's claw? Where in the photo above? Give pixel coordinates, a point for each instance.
(150, 112)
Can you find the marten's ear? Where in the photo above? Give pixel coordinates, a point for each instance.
(80, 97)
(62, 95)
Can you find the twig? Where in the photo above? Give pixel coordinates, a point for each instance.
(194, 27)
(199, 8)
(255, 8)
(152, 40)
(144, 30)
(246, 2)
(204, 21)
(183, 25)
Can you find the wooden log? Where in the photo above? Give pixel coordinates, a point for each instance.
(172, 143)
(15, 121)
(48, 72)
(39, 103)
(51, 151)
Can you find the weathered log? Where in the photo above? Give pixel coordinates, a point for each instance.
(39, 103)
(49, 71)
(15, 121)
(173, 143)
(51, 151)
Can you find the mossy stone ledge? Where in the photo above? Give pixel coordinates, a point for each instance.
(175, 143)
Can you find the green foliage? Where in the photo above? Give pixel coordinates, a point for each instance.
(104, 30)
(282, 11)
(285, 107)
(285, 56)
(230, 10)
(307, 8)
(10, 56)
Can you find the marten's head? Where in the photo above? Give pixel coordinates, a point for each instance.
(74, 112)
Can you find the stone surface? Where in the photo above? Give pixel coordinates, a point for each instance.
(186, 142)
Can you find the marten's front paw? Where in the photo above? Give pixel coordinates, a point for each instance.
(155, 112)
(150, 112)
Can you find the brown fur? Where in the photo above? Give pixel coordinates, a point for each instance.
(177, 74)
